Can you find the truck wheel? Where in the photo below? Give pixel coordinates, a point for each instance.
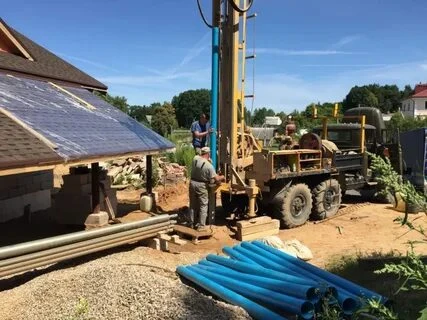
(293, 206)
(326, 199)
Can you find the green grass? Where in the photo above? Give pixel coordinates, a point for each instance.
(360, 269)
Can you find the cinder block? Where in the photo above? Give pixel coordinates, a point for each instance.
(97, 219)
(154, 244)
(164, 245)
(75, 179)
(164, 236)
(177, 240)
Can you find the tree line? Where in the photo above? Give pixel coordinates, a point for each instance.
(186, 107)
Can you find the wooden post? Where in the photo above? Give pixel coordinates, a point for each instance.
(149, 174)
(95, 187)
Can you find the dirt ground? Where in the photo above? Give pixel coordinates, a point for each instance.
(368, 230)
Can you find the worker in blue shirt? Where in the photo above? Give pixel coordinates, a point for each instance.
(200, 130)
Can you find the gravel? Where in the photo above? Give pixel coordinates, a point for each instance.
(137, 284)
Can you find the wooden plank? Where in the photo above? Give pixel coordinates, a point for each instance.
(252, 222)
(83, 102)
(15, 42)
(274, 224)
(260, 235)
(191, 232)
(7, 172)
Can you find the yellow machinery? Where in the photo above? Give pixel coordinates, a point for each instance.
(292, 184)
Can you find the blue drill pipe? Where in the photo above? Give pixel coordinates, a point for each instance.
(258, 270)
(255, 310)
(276, 300)
(214, 94)
(298, 291)
(272, 258)
(237, 256)
(266, 260)
(327, 276)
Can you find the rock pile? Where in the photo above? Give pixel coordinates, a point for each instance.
(132, 171)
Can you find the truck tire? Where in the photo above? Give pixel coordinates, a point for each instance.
(293, 206)
(326, 199)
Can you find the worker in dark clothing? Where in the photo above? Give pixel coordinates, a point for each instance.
(200, 131)
(202, 174)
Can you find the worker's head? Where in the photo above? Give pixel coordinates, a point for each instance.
(203, 119)
(205, 152)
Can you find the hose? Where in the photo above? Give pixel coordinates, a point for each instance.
(237, 8)
(203, 16)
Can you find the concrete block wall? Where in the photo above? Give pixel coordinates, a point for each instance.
(73, 203)
(25, 190)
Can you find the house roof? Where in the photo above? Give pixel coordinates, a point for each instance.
(45, 65)
(421, 94)
(19, 148)
(78, 123)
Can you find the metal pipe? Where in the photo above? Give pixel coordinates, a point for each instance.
(265, 296)
(39, 254)
(64, 255)
(298, 291)
(255, 310)
(214, 94)
(327, 276)
(254, 269)
(48, 243)
(74, 254)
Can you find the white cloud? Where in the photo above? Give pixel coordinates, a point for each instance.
(143, 81)
(283, 52)
(88, 62)
(423, 66)
(345, 65)
(285, 92)
(345, 40)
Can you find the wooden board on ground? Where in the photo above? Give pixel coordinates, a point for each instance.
(194, 234)
(257, 228)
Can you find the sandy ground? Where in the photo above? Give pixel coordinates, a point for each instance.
(369, 230)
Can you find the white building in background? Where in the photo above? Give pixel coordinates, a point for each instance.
(416, 105)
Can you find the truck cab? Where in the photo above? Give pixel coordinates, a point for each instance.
(346, 136)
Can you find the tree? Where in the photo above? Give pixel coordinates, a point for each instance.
(259, 115)
(190, 104)
(117, 101)
(140, 113)
(360, 96)
(407, 92)
(164, 119)
(397, 121)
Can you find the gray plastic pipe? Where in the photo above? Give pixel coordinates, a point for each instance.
(53, 242)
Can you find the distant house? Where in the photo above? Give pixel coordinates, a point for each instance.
(49, 116)
(416, 105)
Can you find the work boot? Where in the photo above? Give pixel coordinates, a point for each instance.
(201, 228)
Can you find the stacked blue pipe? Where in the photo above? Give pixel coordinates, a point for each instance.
(270, 284)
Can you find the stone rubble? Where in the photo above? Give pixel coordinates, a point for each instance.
(131, 171)
(136, 284)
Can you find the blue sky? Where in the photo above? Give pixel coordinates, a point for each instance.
(307, 51)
